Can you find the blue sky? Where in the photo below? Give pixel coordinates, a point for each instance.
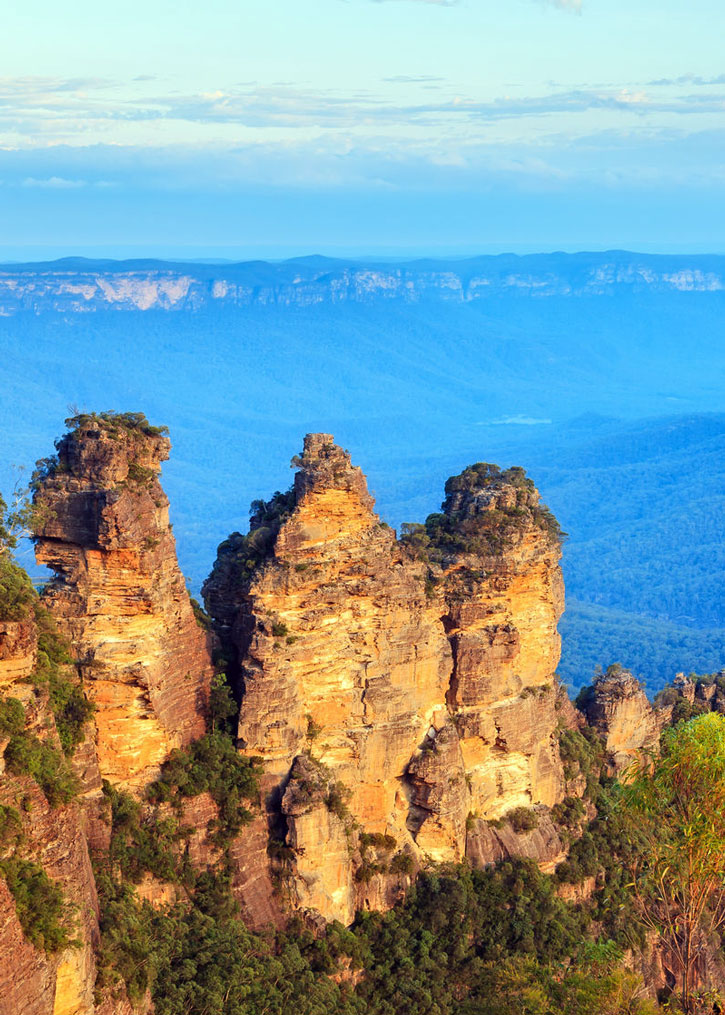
(275, 127)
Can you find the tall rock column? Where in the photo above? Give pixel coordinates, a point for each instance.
(505, 594)
(118, 594)
(402, 685)
(343, 658)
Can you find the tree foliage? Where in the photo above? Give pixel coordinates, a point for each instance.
(679, 874)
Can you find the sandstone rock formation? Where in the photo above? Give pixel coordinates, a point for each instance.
(118, 594)
(51, 838)
(418, 673)
(617, 707)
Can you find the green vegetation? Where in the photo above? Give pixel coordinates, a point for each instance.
(46, 918)
(679, 802)
(522, 819)
(200, 615)
(462, 943)
(143, 843)
(117, 423)
(223, 710)
(246, 553)
(25, 754)
(569, 813)
(487, 530)
(17, 595)
(211, 765)
(582, 754)
(54, 672)
(143, 476)
(12, 716)
(11, 827)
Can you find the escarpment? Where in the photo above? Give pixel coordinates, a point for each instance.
(102, 527)
(417, 673)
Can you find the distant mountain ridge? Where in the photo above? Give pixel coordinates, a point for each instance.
(78, 284)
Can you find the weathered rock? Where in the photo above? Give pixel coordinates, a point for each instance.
(31, 981)
(488, 843)
(18, 650)
(118, 593)
(617, 707)
(424, 684)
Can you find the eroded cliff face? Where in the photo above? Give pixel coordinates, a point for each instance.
(118, 593)
(49, 839)
(616, 706)
(419, 675)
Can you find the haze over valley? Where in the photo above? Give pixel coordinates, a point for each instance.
(602, 374)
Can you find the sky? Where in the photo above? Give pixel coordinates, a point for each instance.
(271, 128)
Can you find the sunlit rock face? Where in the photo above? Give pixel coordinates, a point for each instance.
(420, 679)
(118, 593)
(617, 707)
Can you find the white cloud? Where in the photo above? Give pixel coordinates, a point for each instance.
(567, 5)
(53, 183)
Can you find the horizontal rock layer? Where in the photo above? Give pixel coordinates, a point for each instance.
(119, 596)
(422, 683)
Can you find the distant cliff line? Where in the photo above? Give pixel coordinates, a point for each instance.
(78, 284)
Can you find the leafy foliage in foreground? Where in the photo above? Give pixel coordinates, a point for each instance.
(444, 951)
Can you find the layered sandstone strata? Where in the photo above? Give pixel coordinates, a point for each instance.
(118, 594)
(418, 673)
(33, 982)
(617, 707)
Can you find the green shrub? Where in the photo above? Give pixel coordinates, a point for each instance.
(25, 754)
(223, 709)
(17, 595)
(582, 753)
(211, 765)
(200, 615)
(117, 423)
(11, 827)
(141, 844)
(242, 555)
(128, 948)
(12, 716)
(402, 863)
(54, 671)
(569, 813)
(378, 840)
(46, 918)
(522, 819)
(336, 800)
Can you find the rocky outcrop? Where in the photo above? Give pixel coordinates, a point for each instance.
(419, 674)
(617, 707)
(118, 594)
(18, 650)
(34, 981)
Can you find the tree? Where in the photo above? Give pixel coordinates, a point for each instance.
(679, 873)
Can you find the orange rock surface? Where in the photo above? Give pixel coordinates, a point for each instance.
(119, 596)
(422, 683)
